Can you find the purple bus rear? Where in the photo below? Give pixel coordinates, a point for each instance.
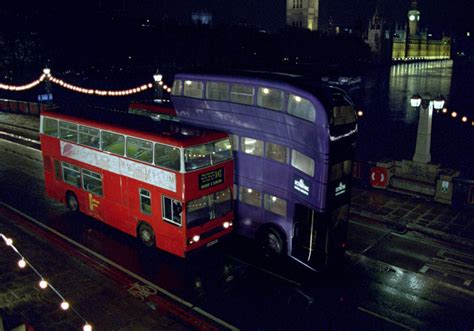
(307, 195)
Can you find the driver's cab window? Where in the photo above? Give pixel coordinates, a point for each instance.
(172, 211)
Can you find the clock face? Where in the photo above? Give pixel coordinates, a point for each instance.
(411, 17)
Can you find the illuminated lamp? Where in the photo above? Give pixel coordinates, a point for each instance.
(438, 102)
(464, 119)
(415, 101)
(157, 77)
(454, 114)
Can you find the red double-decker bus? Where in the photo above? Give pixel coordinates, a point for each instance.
(166, 183)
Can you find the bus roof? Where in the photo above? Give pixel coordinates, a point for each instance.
(168, 132)
(323, 91)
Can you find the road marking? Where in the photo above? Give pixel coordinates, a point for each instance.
(452, 263)
(149, 284)
(384, 318)
(265, 271)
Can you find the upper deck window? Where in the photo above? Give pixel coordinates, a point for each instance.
(167, 157)
(197, 157)
(89, 136)
(276, 152)
(141, 150)
(193, 89)
(222, 151)
(50, 126)
(68, 131)
(252, 146)
(207, 154)
(217, 91)
(113, 143)
(302, 162)
(301, 107)
(270, 98)
(177, 88)
(242, 94)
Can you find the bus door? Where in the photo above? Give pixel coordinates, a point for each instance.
(171, 236)
(309, 236)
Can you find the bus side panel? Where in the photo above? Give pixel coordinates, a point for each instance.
(116, 205)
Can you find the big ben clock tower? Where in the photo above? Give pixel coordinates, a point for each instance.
(413, 18)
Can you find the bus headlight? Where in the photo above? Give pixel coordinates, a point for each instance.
(196, 238)
(226, 225)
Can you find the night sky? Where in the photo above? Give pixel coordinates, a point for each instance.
(266, 14)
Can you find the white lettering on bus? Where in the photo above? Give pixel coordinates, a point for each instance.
(142, 172)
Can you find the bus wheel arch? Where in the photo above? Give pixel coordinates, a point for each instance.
(71, 201)
(272, 240)
(146, 234)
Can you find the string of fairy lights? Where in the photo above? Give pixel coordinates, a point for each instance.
(47, 77)
(43, 283)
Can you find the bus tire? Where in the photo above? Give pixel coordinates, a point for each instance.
(146, 235)
(272, 243)
(71, 202)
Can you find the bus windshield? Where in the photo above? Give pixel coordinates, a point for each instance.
(205, 155)
(209, 207)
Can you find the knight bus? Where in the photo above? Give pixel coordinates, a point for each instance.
(168, 184)
(293, 143)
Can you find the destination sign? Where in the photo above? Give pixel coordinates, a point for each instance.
(211, 178)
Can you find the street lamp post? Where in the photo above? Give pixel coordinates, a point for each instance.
(425, 105)
(48, 87)
(158, 91)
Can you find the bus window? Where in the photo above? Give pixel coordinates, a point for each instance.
(252, 146)
(139, 149)
(276, 152)
(71, 174)
(197, 157)
(68, 131)
(145, 201)
(50, 126)
(193, 89)
(92, 182)
(167, 157)
(341, 169)
(270, 98)
(302, 162)
(113, 143)
(274, 204)
(250, 196)
(89, 136)
(177, 87)
(301, 107)
(235, 142)
(222, 151)
(242, 94)
(217, 91)
(172, 211)
(197, 212)
(222, 203)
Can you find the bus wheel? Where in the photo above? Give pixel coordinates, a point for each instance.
(71, 202)
(146, 235)
(271, 243)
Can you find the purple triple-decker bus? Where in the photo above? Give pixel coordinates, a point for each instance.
(293, 143)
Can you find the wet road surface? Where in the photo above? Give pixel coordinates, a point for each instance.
(390, 281)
